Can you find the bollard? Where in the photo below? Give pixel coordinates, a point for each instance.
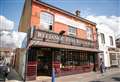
(53, 75)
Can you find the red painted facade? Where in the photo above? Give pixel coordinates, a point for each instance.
(58, 26)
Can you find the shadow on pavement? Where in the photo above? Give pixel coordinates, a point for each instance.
(116, 78)
(96, 81)
(13, 75)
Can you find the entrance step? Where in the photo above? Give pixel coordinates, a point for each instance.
(43, 78)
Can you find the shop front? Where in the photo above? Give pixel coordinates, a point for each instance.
(66, 58)
(114, 57)
(41, 60)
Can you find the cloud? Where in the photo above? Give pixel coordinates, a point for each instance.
(86, 12)
(112, 22)
(6, 24)
(6, 40)
(9, 39)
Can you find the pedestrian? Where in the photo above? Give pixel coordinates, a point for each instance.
(102, 67)
(6, 70)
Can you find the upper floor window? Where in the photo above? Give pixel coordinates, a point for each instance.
(72, 30)
(111, 40)
(89, 34)
(46, 21)
(102, 38)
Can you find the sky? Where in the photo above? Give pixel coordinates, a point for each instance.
(99, 11)
(88, 7)
(12, 9)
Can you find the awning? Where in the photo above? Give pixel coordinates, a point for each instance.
(55, 45)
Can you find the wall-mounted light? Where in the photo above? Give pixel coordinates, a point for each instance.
(61, 32)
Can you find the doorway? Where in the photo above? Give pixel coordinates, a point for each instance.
(44, 62)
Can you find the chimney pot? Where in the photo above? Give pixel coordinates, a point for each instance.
(77, 13)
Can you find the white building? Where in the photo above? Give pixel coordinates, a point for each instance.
(106, 39)
(114, 56)
(7, 55)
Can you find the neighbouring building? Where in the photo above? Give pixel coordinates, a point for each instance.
(7, 55)
(114, 57)
(118, 42)
(57, 39)
(20, 61)
(106, 39)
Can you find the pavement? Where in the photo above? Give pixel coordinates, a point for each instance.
(88, 77)
(111, 78)
(13, 76)
(84, 77)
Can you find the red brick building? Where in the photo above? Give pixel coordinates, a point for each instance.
(58, 39)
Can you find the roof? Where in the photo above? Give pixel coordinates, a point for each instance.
(63, 11)
(118, 36)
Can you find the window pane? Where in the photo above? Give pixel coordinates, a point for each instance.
(46, 20)
(89, 34)
(111, 40)
(72, 30)
(102, 38)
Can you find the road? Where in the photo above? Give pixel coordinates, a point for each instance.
(111, 78)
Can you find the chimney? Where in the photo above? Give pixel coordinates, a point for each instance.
(77, 13)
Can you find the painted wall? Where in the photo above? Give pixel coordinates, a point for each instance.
(20, 61)
(25, 18)
(104, 47)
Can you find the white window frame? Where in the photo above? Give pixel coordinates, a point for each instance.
(102, 38)
(111, 40)
(72, 31)
(46, 20)
(89, 33)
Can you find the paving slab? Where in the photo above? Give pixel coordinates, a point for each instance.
(85, 77)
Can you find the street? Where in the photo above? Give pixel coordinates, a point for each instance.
(111, 78)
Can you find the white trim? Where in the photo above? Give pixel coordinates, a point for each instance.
(67, 21)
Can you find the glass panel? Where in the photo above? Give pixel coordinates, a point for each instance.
(102, 38)
(71, 59)
(32, 55)
(72, 30)
(111, 40)
(46, 20)
(89, 33)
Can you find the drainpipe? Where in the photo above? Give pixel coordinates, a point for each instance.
(53, 69)
(30, 35)
(26, 61)
(97, 46)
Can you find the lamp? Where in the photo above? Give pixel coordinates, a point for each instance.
(61, 32)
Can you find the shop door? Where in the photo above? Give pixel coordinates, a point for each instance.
(44, 62)
(93, 61)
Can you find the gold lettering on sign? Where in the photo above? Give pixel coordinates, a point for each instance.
(56, 38)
